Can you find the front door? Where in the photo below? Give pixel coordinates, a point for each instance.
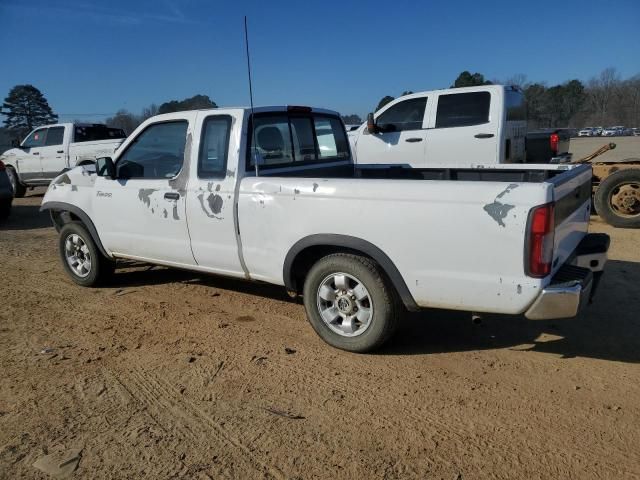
(28, 161)
(142, 214)
(52, 155)
(401, 137)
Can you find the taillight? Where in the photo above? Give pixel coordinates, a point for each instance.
(2, 167)
(553, 142)
(541, 227)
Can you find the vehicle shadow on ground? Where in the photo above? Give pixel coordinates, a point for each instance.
(26, 217)
(136, 274)
(609, 329)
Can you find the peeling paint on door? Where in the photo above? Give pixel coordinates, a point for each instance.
(144, 195)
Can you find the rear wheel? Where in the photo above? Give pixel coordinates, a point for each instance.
(81, 258)
(350, 302)
(18, 189)
(618, 199)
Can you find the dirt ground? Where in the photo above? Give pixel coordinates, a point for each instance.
(626, 147)
(170, 374)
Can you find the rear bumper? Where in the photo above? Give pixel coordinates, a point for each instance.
(562, 158)
(573, 286)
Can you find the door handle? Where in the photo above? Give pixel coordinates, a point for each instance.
(483, 135)
(60, 151)
(36, 153)
(172, 196)
(413, 140)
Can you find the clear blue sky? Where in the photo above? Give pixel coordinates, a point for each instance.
(97, 57)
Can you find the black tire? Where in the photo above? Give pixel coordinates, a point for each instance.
(609, 187)
(5, 209)
(18, 188)
(101, 267)
(385, 303)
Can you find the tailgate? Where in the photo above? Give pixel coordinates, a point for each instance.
(572, 198)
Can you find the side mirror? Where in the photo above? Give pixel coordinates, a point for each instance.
(105, 167)
(371, 124)
(15, 143)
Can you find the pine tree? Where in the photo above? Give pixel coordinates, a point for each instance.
(26, 108)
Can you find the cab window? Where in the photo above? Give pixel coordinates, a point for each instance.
(36, 139)
(158, 152)
(463, 109)
(214, 147)
(283, 139)
(55, 135)
(405, 115)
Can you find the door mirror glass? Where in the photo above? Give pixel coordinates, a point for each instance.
(371, 124)
(105, 167)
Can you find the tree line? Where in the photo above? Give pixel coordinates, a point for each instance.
(603, 100)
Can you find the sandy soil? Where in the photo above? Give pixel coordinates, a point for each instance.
(626, 147)
(168, 374)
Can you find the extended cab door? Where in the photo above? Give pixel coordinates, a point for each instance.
(141, 214)
(401, 136)
(52, 154)
(464, 129)
(211, 195)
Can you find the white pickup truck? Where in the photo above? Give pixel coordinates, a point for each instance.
(50, 149)
(451, 127)
(274, 197)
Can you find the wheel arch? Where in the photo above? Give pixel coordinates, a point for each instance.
(62, 212)
(305, 252)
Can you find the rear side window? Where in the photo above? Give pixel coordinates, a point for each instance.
(405, 115)
(92, 133)
(55, 136)
(283, 139)
(214, 147)
(463, 109)
(158, 152)
(516, 110)
(36, 139)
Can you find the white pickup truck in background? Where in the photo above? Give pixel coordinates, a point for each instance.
(483, 125)
(274, 197)
(50, 149)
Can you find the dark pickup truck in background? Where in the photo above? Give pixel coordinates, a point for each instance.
(550, 145)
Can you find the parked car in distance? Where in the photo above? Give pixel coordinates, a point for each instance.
(6, 193)
(587, 132)
(548, 145)
(598, 130)
(483, 125)
(610, 132)
(50, 149)
(636, 132)
(258, 195)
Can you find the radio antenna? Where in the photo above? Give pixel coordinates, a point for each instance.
(253, 130)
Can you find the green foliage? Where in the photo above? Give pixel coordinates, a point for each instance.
(386, 99)
(466, 79)
(554, 106)
(194, 103)
(26, 108)
(352, 119)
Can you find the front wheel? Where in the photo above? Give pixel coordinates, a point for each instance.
(18, 189)
(350, 302)
(81, 258)
(617, 199)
